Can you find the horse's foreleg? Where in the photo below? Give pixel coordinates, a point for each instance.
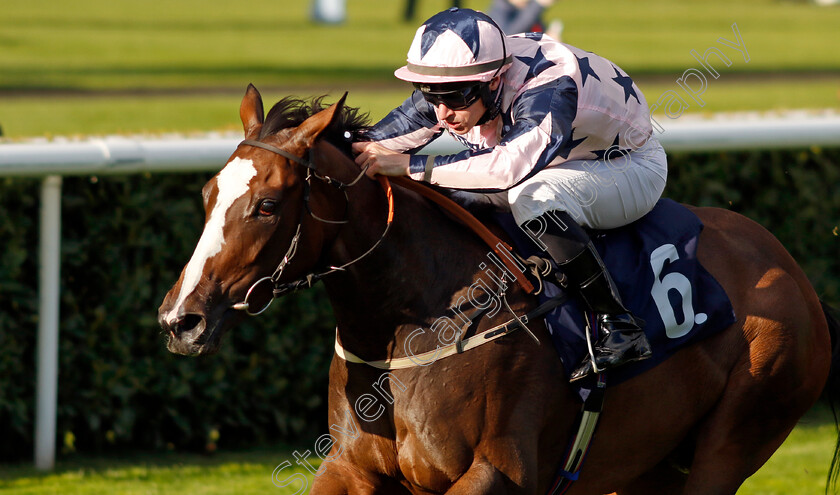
(338, 478)
(329, 486)
(482, 478)
(664, 479)
(333, 482)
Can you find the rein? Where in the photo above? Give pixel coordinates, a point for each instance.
(500, 247)
(280, 289)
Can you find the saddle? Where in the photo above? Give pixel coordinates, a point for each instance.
(652, 260)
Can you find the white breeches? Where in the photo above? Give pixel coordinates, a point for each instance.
(599, 194)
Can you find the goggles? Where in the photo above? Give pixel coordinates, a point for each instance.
(454, 97)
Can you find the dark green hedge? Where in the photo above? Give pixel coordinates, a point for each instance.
(794, 194)
(126, 238)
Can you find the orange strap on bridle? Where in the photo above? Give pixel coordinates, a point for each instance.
(389, 193)
(470, 221)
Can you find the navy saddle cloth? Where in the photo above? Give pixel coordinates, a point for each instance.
(654, 264)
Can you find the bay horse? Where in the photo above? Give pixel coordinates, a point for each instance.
(496, 418)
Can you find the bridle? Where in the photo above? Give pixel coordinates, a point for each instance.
(281, 289)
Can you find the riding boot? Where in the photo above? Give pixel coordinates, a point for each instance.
(620, 336)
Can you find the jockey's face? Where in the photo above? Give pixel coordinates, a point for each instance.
(461, 120)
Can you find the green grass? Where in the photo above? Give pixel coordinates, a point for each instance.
(798, 468)
(94, 44)
(82, 116)
(77, 116)
(225, 473)
(124, 58)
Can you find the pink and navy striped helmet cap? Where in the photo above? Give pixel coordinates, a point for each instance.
(456, 45)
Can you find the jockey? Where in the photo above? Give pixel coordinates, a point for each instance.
(564, 133)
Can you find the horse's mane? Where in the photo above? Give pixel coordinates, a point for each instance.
(291, 112)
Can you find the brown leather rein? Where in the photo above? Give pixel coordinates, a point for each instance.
(500, 247)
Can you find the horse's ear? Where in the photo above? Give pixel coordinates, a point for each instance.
(312, 127)
(251, 112)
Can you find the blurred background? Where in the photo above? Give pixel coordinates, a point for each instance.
(134, 419)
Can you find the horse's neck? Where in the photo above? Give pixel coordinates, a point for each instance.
(409, 278)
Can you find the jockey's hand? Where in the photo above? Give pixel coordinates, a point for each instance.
(380, 160)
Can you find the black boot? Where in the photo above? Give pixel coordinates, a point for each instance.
(620, 336)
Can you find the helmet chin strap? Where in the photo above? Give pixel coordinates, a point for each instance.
(492, 101)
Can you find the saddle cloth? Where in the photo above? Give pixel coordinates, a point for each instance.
(654, 264)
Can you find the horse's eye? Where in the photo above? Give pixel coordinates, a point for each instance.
(267, 207)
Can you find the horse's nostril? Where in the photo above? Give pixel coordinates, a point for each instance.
(187, 323)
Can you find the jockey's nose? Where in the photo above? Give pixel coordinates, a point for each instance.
(443, 111)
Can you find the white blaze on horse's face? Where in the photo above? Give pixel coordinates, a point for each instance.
(232, 183)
